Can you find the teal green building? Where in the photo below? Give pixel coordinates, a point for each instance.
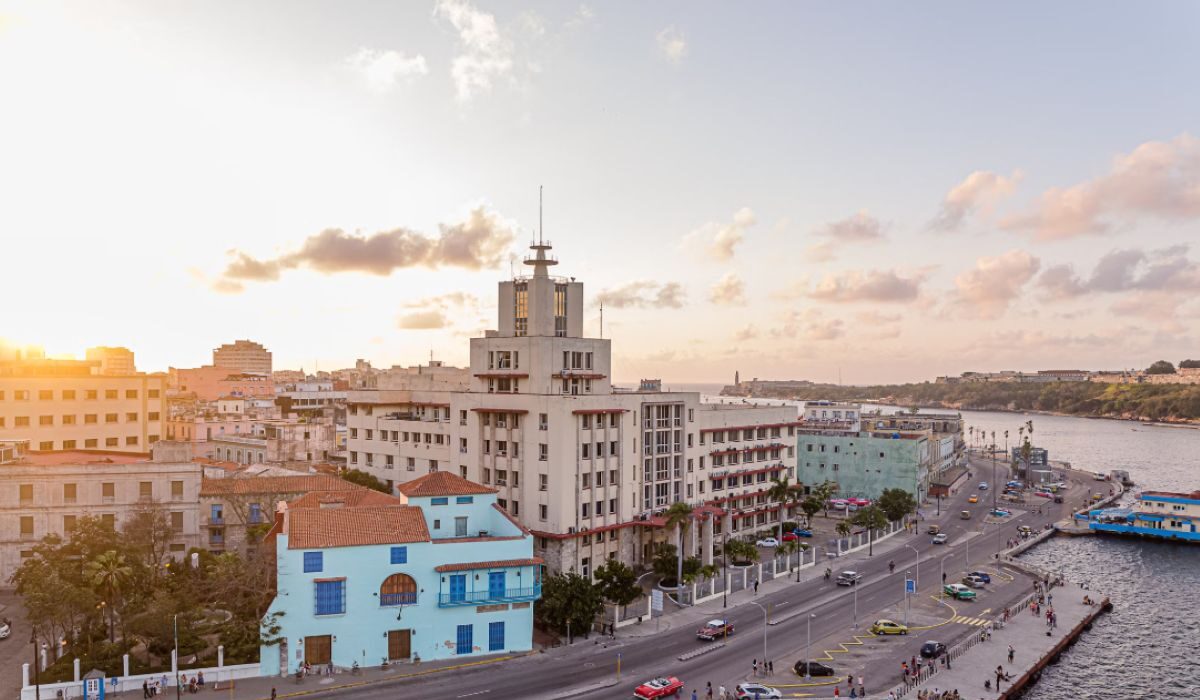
(864, 463)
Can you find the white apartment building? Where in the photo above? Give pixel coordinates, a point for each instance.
(45, 493)
(275, 441)
(585, 467)
(113, 360)
(244, 356)
(66, 405)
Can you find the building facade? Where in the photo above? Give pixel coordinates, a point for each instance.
(209, 383)
(235, 510)
(275, 441)
(587, 468)
(863, 461)
(45, 493)
(244, 356)
(113, 361)
(439, 571)
(67, 405)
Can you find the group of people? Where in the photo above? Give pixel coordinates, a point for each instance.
(854, 692)
(936, 694)
(152, 687)
(768, 667)
(194, 684)
(156, 686)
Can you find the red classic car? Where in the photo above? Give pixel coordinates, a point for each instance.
(659, 688)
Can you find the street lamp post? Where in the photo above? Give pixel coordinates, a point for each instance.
(906, 597)
(766, 618)
(918, 560)
(37, 683)
(807, 646)
(725, 564)
(175, 631)
(855, 587)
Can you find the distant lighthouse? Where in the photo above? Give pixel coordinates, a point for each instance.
(736, 378)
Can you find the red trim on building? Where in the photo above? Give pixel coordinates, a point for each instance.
(500, 564)
(598, 411)
(502, 375)
(499, 410)
(580, 375)
(752, 427)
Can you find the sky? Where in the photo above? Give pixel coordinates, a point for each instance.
(874, 192)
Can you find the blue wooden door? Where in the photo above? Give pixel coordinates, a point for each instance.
(496, 585)
(458, 588)
(465, 639)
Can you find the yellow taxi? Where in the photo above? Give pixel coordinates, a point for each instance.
(973, 499)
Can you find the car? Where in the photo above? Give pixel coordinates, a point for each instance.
(983, 486)
(659, 688)
(1058, 499)
(934, 529)
(972, 581)
(801, 532)
(812, 668)
(973, 499)
(838, 504)
(1015, 484)
(958, 591)
(848, 578)
(5, 630)
(1025, 530)
(768, 542)
(790, 537)
(940, 538)
(1000, 513)
(987, 578)
(888, 627)
(932, 650)
(965, 515)
(1099, 477)
(714, 629)
(754, 691)
(1043, 494)
(860, 502)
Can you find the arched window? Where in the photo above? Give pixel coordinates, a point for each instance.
(398, 589)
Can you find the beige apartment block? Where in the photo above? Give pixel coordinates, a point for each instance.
(64, 405)
(113, 361)
(587, 467)
(243, 356)
(46, 493)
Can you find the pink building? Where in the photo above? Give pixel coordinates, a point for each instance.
(199, 430)
(210, 383)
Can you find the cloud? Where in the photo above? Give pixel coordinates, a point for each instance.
(485, 54)
(719, 241)
(481, 240)
(747, 333)
(876, 318)
(423, 320)
(383, 70)
(857, 228)
(995, 282)
(810, 324)
(728, 290)
(445, 301)
(1164, 270)
(583, 16)
(673, 44)
(1158, 179)
(869, 285)
(979, 192)
(642, 295)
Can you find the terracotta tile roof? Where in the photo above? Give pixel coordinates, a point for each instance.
(247, 485)
(346, 499)
(321, 528)
(469, 566)
(441, 484)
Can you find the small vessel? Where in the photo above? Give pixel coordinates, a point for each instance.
(1121, 476)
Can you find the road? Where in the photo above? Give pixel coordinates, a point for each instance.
(589, 663)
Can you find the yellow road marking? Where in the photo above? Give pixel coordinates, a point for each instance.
(953, 614)
(835, 680)
(843, 650)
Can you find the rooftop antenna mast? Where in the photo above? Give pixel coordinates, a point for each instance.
(539, 214)
(601, 319)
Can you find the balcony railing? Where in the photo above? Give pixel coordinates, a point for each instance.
(389, 599)
(508, 595)
(215, 520)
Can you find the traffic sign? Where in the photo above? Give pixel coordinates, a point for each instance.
(656, 600)
(910, 586)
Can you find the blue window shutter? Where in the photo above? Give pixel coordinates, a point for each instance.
(439, 501)
(466, 643)
(329, 597)
(465, 499)
(314, 562)
(399, 555)
(496, 636)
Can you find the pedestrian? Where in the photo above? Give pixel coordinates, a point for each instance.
(200, 680)
(1011, 652)
(708, 693)
(145, 689)
(272, 694)
(771, 667)
(694, 696)
(862, 687)
(837, 692)
(853, 693)
(904, 669)
(756, 587)
(721, 692)
(754, 666)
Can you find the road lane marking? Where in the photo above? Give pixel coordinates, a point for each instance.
(478, 692)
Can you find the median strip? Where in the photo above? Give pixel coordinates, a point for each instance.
(701, 651)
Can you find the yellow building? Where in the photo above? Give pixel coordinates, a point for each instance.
(68, 405)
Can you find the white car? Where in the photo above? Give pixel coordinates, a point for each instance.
(940, 538)
(755, 691)
(5, 630)
(768, 542)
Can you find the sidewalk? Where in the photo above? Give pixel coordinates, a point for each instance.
(974, 662)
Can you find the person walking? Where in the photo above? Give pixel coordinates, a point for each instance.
(755, 587)
(771, 667)
(145, 689)
(694, 696)
(754, 666)
(862, 687)
(708, 692)
(1011, 652)
(272, 693)
(721, 693)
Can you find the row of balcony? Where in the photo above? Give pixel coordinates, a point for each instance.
(508, 595)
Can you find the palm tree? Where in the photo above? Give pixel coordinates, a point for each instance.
(679, 517)
(971, 433)
(109, 572)
(873, 518)
(780, 492)
(843, 528)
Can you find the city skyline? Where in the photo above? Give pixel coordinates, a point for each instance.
(874, 195)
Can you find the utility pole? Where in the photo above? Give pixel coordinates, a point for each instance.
(37, 684)
(725, 564)
(807, 646)
(175, 625)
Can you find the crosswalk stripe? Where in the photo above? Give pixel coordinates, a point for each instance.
(973, 621)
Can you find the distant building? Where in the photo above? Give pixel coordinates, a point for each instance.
(233, 506)
(439, 571)
(209, 383)
(67, 405)
(243, 356)
(275, 441)
(113, 361)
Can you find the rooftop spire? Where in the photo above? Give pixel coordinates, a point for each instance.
(540, 261)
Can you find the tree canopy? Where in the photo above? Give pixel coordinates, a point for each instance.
(1161, 367)
(896, 503)
(357, 476)
(569, 598)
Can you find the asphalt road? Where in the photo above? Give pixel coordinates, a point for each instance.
(576, 671)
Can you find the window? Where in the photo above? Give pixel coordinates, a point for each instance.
(131, 440)
(398, 589)
(108, 491)
(176, 521)
(399, 555)
(110, 418)
(45, 420)
(329, 596)
(543, 512)
(110, 393)
(131, 393)
(21, 395)
(314, 562)
(153, 415)
(464, 499)
(587, 450)
(26, 493)
(543, 421)
(45, 395)
(69, 523)
(89, 418)
(26, 526)
(69, 493)
(255, 514)
(584, 510)
(441, 501)
(495, 636)
(68, 420)
(145, 489)
(543, 482)
(465, 643)
(46, 446)
(152, 393)
(21, 421)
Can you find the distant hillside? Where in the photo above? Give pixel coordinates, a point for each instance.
(1160, 402)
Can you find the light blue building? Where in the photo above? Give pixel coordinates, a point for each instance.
(1158, 514)
(439, 572)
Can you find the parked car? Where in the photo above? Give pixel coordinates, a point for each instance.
(987, 578)
(932, 650)
(1043, 494)
(5, 630)
(714, 629)
(848, 578)
(801, 532)
(838, 504)
(973, 499)
(754, 691)
(659, 688)
(860, 502)
(1058, 499)
(1015, 484)
(812, 668)
(768, 542)
(789, 537)
(958, 591)
(972, 581)
(983, 486)
(888, 627)
(940, 538)
(1001, 513)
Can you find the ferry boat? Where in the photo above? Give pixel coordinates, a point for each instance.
(1158, 514)
(1122, 476)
